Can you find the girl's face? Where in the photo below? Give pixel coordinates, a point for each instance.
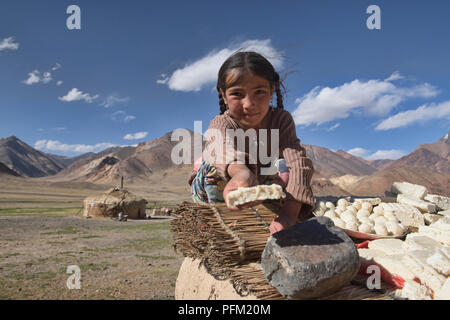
(248, 101)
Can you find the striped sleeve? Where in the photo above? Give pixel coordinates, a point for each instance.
(301, 168)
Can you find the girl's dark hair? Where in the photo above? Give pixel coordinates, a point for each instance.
(241, 64)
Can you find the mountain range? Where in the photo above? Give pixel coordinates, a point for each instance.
(336, 173)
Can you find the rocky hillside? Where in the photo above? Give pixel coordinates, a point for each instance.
(27, 161)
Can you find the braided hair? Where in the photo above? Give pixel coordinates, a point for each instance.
(242, 63)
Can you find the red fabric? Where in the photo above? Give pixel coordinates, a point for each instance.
(386, 276)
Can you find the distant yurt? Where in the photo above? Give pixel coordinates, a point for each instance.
(112, 202)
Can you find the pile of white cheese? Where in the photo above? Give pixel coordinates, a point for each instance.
(424, 254)
(412, 207)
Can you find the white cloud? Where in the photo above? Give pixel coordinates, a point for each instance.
(8, 44)
(53, 145)
(59, 82)
(423, 113)
(395, 76)
(136, 136)
(121, 115)
(332, 128)
(380, 154)
(56, 67)
(75, 95)
(204, 71)
(359, 152)
(113, 100)
(35, 76)
(376, 97)
(386, 154)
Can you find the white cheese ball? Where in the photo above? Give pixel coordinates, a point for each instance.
(365, 228)
(367, 206)
(330, 214)
(349, 219)
(352, 209)
(380, 229)
(394, 228)
(342, 203)
(329, 205)
(322, 206)
(348, 214)
(394, 219)
(380, 219)
(388, 214)
(373, 216)
(351, 226)
(339, 223)
(356, 205)
(378, 209)
(341, 208)
(365, 220)
(362, 213)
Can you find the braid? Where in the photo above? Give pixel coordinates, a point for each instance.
(223, 106)
(278, 91)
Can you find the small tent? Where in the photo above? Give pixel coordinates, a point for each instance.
(112, 202)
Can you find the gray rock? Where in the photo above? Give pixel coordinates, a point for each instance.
(310, 259)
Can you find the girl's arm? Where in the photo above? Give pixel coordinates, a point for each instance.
(299, 197)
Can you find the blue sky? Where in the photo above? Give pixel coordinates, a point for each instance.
(139, 69)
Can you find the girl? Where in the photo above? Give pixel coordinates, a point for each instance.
(246, 84)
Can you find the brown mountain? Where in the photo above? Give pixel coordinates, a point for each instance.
(27, 161)
(7, 171)
(335, 164)
(434, 156)
(377, 183)
(134, 163)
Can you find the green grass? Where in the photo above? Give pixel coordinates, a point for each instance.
(65, 230)
(140, 228)
(155, 257)
(97, 267)
(7, 255)
(49, 212)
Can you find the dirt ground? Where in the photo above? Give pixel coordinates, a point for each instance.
(42, 233)
(118, 260)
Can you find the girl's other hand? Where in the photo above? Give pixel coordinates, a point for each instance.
(288, 216)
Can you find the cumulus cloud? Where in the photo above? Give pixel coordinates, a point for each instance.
(113, 100)
(122, 116)
(33, 77)
(53, 145)
(75, 95)
(203, 71)
(45, 77)
(8, 44)
(135, 136)
(376, 97)
(359, 152)
(422, 114)
(59, 82)
(392, 154)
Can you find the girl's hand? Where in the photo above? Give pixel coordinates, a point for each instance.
(288, 216)
(241, 177)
